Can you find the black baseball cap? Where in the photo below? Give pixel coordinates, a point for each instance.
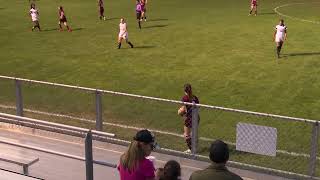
(144, 136)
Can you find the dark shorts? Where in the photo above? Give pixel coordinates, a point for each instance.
(63, 20)
(101, 10)
(138, 15)
(36, 23)
(188, 122)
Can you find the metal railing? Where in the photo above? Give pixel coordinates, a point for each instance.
(216, 110)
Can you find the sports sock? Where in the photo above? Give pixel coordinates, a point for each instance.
(130, 44)
(119, 45)
(139, 24)
(188, 142)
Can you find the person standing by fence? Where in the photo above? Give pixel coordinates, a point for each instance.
(186, 112)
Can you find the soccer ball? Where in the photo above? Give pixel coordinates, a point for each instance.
(104, 18)
(182, 111)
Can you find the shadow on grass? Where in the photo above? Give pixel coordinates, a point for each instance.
(267, 13)
(145, 47)
(155, 26)
(52, 29)
(159, 19)
(302, 54)
(77, 29)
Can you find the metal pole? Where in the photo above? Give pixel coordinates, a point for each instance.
(19, 103)
(99, 125)
(195, 124)
(88, 156)
(314, 146)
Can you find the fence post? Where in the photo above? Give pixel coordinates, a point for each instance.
(314, 146)
(99, 124)
(195, 124)
(88, 156)
(19, 103)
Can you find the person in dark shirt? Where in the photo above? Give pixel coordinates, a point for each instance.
(63, 19)
(186, 112)
(219, 155)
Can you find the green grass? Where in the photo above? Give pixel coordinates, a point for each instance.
(227, 56)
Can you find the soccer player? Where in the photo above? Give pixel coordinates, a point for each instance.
(139, 12)
(254, 6)
(101, 9)
(144, 10)
(186, 112)
(34, 17)
(123, 33)
(63, 19)
(280, 35)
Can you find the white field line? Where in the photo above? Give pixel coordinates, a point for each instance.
(292, 17)
(137, 128)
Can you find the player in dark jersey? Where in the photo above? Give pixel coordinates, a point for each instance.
(63, 19)
(144, 10)
(254, 7)
(187, 113)
(139, 12)
(101, 10)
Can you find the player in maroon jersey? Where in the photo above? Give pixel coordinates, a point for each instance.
(254, 6)
(187, 113)
(63, 19)
(101, 10)
(144, 10)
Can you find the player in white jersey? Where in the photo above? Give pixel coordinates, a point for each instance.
(280, 35)
(123, 33)
(34, 14)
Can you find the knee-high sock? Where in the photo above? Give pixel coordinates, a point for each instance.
(188, 141)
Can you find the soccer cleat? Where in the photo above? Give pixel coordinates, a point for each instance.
(104, 18)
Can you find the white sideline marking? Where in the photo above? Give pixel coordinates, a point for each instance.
(292, 17)
(137, 128)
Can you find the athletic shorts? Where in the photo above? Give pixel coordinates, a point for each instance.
(36, 23)
(279, 39)
(124, 36)
(138, 15)
(63, 20)
(188, 122)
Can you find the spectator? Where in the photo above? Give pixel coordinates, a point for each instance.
(219, 155)
(171, 171)
(133, 163)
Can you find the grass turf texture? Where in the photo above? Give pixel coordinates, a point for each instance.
(228, 57)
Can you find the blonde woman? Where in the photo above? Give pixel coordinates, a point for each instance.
(133, 163)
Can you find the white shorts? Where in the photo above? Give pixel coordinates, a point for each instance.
(123, 35)
(279, 39)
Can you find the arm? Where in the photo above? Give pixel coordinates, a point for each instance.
(285, 34)
(274, 35)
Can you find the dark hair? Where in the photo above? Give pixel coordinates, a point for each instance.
(61, 8)
(171, 171)
(219, 152)
(187, 88)
(282, 22)
(32, 5)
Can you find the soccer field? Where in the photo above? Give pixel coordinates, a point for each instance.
(227, 56)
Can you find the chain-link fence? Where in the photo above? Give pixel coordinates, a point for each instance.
(123, 114)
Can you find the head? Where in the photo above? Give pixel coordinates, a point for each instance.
(141, 146)
(60, 8)
(33, 6)
(171, 171)
(219, 152)
(122, 20)
(281, 22)
(188, 89)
